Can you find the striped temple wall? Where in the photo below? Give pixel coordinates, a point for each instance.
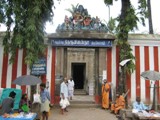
(146, 49)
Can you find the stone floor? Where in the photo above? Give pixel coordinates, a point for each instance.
(83, 98)
(81, 114)
(82, 110)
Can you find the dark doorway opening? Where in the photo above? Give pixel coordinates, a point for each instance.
(78, 74)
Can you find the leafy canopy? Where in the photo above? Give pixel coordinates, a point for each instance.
(28, 18)
(127, 22)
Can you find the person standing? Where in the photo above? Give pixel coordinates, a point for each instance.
(105, 94)
(64, 95)
(71, 88)
(8, 104)
(45, 101)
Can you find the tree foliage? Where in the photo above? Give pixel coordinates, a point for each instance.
(150, 17)
(108, 2)
(112, 25)
(2, 11)
(127, 21)
(28, 18)
(72, 10)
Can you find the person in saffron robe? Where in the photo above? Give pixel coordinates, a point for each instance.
(105, 94)
(119, 103)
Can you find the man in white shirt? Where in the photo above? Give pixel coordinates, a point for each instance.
(139, 106)
(71, 88)
(64, 94)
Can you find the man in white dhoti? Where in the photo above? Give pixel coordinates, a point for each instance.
(71, 88)
(64, 95)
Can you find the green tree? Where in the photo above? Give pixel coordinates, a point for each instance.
(27, 18)
(127, 21)
(150, 17)
(72, 10)
(2, 18)
(112, 25)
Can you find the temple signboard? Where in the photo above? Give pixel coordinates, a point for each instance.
(81, 43)
(39, 67)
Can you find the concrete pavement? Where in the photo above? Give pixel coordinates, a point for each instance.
(81, 114)
(82, 107)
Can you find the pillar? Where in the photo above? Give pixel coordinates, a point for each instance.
(65, 63)
(97, 81)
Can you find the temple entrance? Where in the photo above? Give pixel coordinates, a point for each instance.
(78, 74)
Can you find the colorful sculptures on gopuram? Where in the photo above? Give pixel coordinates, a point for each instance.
(81, 21)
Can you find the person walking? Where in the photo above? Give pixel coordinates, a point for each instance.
(105, 94)
(64, 96)
(45, 101)
(71, 88)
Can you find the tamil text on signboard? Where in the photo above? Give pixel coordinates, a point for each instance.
(81, 43)
(39, 67)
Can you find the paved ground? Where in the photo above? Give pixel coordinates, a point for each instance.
(81, 114)
(82, 108)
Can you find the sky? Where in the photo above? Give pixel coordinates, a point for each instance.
(98, 8)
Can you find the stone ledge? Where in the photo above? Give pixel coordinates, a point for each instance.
(82, 34)
(126, 114)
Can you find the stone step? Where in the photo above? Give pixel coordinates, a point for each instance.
(84, 105)
(83, 98)
(81, 105)
(80, 92)
(83, 101)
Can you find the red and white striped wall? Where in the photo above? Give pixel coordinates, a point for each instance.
(9, 72)
(146, 49)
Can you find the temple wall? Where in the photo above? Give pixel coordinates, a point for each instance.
(146, 49)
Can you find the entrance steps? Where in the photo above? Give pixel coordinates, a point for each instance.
(79, 92)
(83, 101)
